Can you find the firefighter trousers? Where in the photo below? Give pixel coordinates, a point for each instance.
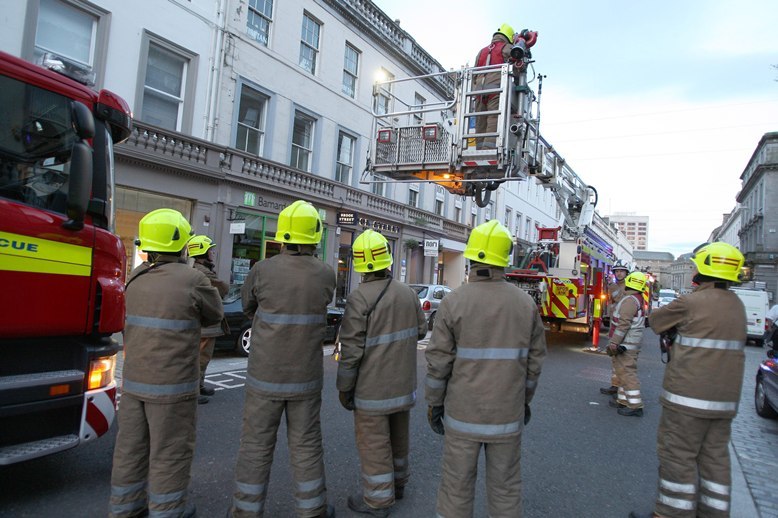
(382, 442)
(261, 419)
(459, 472)
(614, 376)
(626, 365)
(206, 353)
(694, 466)
(152, 457)
(486, 123)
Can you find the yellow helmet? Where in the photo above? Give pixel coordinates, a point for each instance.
(371, 252)
(636, 281)
(299, 224)
(163, 230)
(489, 243)
(507, 31)
(720, 260)
(199, 245)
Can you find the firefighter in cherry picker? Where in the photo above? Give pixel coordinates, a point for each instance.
(287, 297)
(626, 332)
(167, 304)
(706, 333)
(377, 373)
(483, 364)
(201, 250)
(616, 292)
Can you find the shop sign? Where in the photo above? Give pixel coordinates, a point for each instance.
(431, 247)
(250, 199)
(379, 226)
(347, 217)
(238, 227)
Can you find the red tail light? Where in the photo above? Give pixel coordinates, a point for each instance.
(426, 306)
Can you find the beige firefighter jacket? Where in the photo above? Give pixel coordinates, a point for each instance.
(616, 292)
(378, 355)
(485, 356)
(287, 296)
(167, 304)
(492, 79)
(628, 322)
(223, 287)
(705, 372)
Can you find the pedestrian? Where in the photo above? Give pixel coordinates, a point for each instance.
(483, 363)
(616, 292)
(772, 326)
(377, 373)
(201, 249)
(701, 387)
(286, 296)
(624, 337)
(496, 53)
(167, 304)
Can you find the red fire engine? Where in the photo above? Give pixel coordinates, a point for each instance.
(61, 266)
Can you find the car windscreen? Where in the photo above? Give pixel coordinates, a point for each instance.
(421, 291)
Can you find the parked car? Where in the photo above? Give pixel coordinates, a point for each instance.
(239, 338)
(766, 392)
(430, 296)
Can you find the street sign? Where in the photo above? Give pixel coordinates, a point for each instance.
(347, 217)
(431, 247)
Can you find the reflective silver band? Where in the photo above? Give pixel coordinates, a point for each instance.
(284, 388)
(250, 489)
(492, 353)
(126, 490)
(631, 347)
(675, 487)
(310, 503)
(435, 383)
(383, 478)
(378, 494)
(700, 404)
(715, 503)
(632, 392)
(167, 513)
(482, 429)
(392, 337)
(169, 324)
(715, 487)
(138, 503)
(385, 404)
(159, 390)
(249, 507)
(531, 384)
(310, 485)
(710, 343)
(166, 498)
(288, 318)
(635, 401)
(686, 505)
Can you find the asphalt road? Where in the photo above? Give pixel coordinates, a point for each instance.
(579, 457)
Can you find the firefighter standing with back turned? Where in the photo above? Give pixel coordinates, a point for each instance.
(616, 292)
(377, 373)
(287, 297)
(701, 387)
(626, 332)
(496, 53)
(201, 250)
(483, 363)
(167, 304)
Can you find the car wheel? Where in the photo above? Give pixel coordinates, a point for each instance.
(243, 343)
(431, 321)
(758, 342)
(763, 407)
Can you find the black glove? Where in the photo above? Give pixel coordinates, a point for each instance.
(527, 414)
(347, 399)
(435, 417)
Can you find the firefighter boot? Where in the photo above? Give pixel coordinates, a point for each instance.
(609, 390)
(636, 412)
(206, 391)
(328, 512)
(357, 504)
(399, 492)
(201, 400)
(615, 404)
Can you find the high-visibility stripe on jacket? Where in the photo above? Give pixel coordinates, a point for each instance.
(628, 322)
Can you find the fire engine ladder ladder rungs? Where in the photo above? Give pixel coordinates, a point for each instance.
(469, 95)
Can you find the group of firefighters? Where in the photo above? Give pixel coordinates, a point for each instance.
(484, 359)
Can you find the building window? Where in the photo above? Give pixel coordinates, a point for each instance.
(259, 19)
(164, 87)
(302, 142)
(458, 214)
(379, 185)
(418, 105)
(383, 101)
(309, 44)
(473, 219)
(350, 71)
(517, 230)
(413, 196)
(345, 158)
(489, 211)
(250, 135)
(527, 228)
(439, 207)
(508, 218)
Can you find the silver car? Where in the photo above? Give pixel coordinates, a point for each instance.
(430, 296)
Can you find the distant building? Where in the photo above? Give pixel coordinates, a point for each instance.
(658, 263)
(681, 273)
(758, 199)
(729, 229)
(633, 226)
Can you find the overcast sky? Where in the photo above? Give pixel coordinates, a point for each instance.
(657, 104)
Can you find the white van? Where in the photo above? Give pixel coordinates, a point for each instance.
(756, 304)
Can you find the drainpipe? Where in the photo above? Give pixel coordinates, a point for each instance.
(215, 74)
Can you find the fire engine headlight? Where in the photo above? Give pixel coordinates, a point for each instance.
(101, 372)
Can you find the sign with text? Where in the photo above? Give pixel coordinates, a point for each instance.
(238, 227)
(431, 247)
(347, 217)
